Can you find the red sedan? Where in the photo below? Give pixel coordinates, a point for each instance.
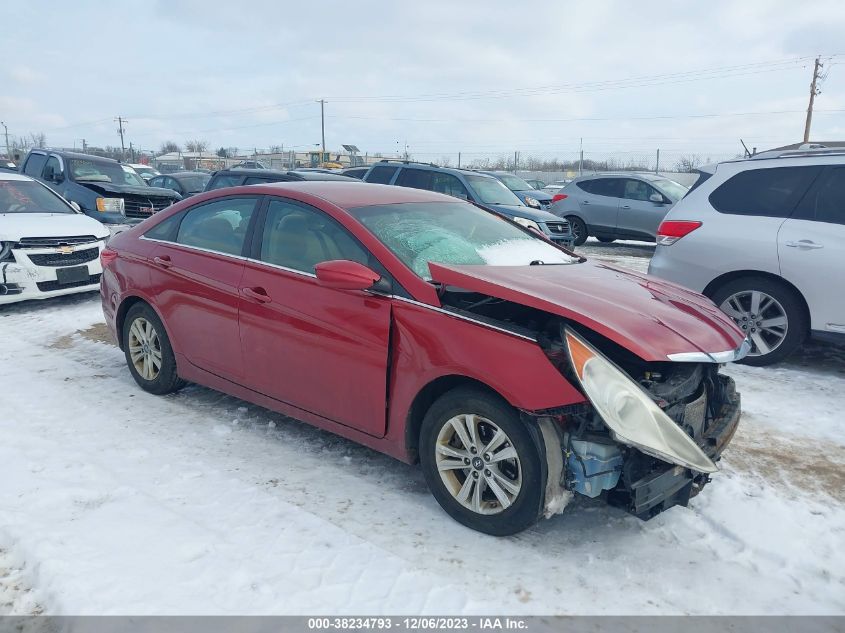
(420, 325)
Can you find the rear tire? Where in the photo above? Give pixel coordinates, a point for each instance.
(579, 229)
(481, 462)
(771, 314)
(606, 240)
(148, 352)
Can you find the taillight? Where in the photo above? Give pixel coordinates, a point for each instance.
(558, 197)
(107, 256)
(670, 231)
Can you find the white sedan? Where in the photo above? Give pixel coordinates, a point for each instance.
(47, 247)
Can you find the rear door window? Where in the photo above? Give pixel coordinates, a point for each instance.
(415, 178)
(218, 226)
(825, 202)
(610, 187)
(771, 192)
(381, 175)
(225, 180)
(34, 165)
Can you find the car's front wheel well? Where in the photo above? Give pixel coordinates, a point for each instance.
(423, 401)
(713, 287)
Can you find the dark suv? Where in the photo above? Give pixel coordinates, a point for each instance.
(238, 176)
(105, 189)
(481, 189)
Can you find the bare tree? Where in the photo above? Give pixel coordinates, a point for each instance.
(223, 152)
(688, 163)
(37, 139)
(196, 146)
(276, 149)
(445, 161)
(170, 146)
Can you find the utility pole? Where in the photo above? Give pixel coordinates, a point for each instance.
(515, 160)
(120, 122)
(581, 159)
(6, 132)
(322, 103)
(813, 92)
(459, 160)
(657, 163)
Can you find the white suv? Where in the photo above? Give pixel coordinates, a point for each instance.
(764, 238)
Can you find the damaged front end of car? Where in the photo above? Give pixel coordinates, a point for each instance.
(650, 434)
(645, 354)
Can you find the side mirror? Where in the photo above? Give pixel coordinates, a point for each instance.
(75, 206)
(345, 275)
(657, 198)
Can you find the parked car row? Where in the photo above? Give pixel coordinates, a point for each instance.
(480, 188)
(518, 373)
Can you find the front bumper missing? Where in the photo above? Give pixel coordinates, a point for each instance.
(665, 486)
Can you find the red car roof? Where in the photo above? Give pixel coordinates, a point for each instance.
(348, 195)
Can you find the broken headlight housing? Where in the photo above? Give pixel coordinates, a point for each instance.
(629, 412)
(6, 251)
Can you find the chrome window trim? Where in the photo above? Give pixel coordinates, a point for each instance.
(463, 317)
(280, 267)
(728, 356)
(193, 248)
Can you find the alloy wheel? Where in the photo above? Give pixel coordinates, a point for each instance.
(145, 349)
(761, 317)
(478, 464)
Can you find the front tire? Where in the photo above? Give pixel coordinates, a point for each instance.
(769, 312)
(481, 462)
(578, 228)
(148, 352)
(607, 240)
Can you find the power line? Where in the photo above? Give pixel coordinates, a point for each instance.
(579, 119)
(632, 82)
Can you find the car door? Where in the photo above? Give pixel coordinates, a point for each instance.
(811, 249)
(598, 200)
(639, 216)
(195, 274)
(320, 349)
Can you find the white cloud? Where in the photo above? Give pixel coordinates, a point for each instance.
(180, 57)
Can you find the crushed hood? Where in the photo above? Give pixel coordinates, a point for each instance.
(137, 190)
(650, 317)
(14, 226)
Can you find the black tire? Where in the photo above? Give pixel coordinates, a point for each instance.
(579, 229)
(527, 504)
(606, 240)
(796, 316)
(166, 380)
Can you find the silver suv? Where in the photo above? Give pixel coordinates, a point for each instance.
(624, 206)
(764, 238)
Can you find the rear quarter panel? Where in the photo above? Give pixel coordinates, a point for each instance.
(723, 243)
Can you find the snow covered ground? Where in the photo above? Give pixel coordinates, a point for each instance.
(113, 501)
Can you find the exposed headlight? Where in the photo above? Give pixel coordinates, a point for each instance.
(110, 205)
(628, 411)
(532, 202)
(530, 224)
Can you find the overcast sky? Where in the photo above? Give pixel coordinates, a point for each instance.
(484, 78)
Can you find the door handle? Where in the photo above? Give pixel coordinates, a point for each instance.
(259, 295)
(625, 206)
(804, 244)
(585, 202)
(163, 261)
